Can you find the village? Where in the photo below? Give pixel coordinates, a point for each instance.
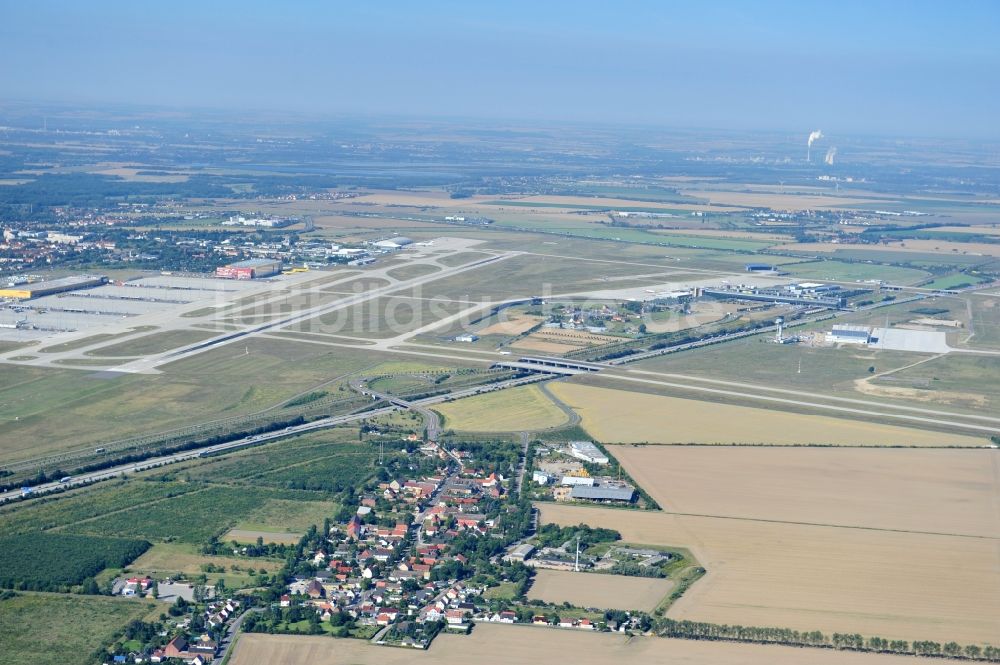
(441, 548)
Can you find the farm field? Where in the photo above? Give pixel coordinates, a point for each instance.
(606, 592)
(559, 341)
(902, 249)
(246, 536)
(773, 199)
(603, 202)
(919, 490)
(514, 409)
(514, 324)
(503, 645)
(622, 416)
(55, 629)
(282, 515)
(896, 585)
(185, 512)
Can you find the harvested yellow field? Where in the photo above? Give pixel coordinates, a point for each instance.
(409, 199)
(513, 410)
(921, 246)
(897, 585)
(981, 230)
(560, 340)
(621, 416)
(945, 491)
(514, 325)
(604, 592)
(492, 644)
(611, 203)
(780, 201)
(553, 348)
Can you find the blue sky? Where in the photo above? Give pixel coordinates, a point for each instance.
(895, 68)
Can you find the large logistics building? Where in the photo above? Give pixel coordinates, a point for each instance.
(48, 287)
(849, 334)
(251, 269)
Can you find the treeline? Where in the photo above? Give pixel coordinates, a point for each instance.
(698, 630)
(88, 190)
(50, 562)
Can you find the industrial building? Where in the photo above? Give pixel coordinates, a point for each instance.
(520, 552)
(759, 267)
(49, 287)
(806, 293)
(624, 493)
(576, 481)
(849, 334)
(588, 452)
(251, 269)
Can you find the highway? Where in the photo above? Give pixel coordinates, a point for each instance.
(229, 446)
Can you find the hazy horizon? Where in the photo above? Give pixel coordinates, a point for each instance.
(859, 69)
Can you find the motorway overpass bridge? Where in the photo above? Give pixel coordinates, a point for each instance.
(549, 365)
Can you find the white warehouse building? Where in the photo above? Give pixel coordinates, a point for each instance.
(849, 334)
(573, 481)
(588, 452)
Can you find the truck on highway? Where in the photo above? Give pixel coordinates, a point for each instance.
(65, 479)
(25, 491)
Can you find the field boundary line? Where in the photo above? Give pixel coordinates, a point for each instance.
(832, 526)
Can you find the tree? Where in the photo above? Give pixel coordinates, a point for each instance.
(90, 587)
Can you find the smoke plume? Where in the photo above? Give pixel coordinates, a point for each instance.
(830, 154)
(813, 137)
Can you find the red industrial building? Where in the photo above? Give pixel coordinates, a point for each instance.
(252, 269)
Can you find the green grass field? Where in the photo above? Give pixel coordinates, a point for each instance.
(38, 405)
(951, 377)
(56, 629)
(154, 343)
(849, 272)
(184, 558)
(985, 322)
(756, 361)
(386, 316)
(412, 271)
(954, 281)
(515, 409)
(76, 344)
(284, 515)
(916, 259)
